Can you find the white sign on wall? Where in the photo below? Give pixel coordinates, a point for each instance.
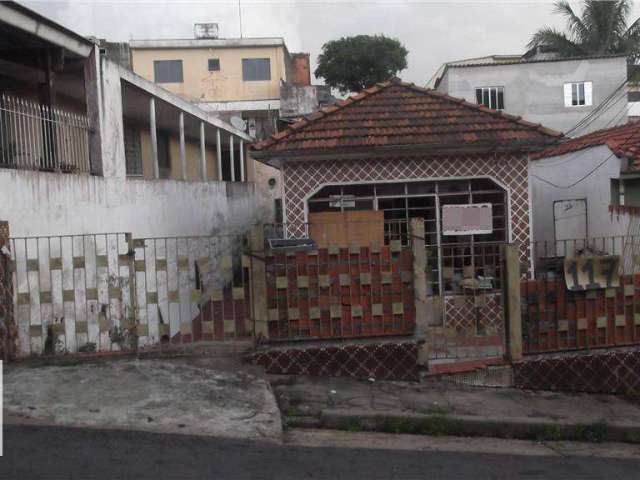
(470, 219)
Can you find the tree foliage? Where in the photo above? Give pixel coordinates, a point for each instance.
(603, 28)
(351, 64)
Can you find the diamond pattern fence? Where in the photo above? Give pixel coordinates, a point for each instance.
(601, 372)
(388, 361)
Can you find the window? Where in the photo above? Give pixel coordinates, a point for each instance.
(132, 152)
(578, 94)
(492, 97)
(256, 69)
(214, 64)
(164, 157)
(167, 71)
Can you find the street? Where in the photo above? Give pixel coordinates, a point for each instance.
(32, 452)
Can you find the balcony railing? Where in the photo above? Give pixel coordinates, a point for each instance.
(37, 137)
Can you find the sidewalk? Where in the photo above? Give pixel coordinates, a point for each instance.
(215, 396)
(439, 408)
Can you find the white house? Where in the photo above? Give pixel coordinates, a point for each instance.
(588, 187)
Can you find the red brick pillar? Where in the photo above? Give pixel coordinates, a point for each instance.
(8, 331)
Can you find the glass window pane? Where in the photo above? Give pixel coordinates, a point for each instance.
(421, 187)
(494, 98)
(390, 189)
(167, 71)
(478, 96)
(581, 93)
(256, 69)
(574, 94)
(485, 96)
(500, 98)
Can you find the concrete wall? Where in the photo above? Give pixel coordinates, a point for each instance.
(41, 203)
(202, 85)
(535, 91)
(564, 170)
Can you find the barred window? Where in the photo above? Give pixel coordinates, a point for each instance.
(214, 64)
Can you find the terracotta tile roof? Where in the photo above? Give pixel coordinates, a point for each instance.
(623, 141)
(401, 114)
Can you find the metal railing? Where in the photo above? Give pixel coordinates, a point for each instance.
(38, 137)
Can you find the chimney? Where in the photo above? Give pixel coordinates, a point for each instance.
(300, 70)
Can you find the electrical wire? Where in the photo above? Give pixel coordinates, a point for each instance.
(591, 172)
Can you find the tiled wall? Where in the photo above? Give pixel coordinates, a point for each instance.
(341, 292)
(304, 178)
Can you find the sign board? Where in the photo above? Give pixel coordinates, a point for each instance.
(470, 219)
(592, 272)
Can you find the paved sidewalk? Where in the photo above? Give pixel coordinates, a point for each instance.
(198, 396)
(440, 408)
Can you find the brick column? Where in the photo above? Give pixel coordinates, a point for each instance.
(8, 331)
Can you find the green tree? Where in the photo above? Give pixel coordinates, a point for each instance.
(351, 64)
(603, 28)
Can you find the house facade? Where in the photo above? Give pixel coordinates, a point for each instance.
(256, 80)
(587, 187)
(575, 96)
(87, 145)
(397, 152)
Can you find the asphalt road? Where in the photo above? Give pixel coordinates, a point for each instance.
(34, 452)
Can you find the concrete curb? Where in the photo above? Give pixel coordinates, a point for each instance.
(468, 426)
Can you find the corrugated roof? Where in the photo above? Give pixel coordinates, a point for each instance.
(395, 113)
(472, 63)
(623, 141)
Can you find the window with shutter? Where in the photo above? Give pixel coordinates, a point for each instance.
(578, 94)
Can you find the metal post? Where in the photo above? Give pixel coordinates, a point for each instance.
(219, 153)
(242, 173)
(203, 154)
(183, 153)
(232, 159)
(154, 137)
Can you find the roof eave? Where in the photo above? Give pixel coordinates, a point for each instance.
(274, 158)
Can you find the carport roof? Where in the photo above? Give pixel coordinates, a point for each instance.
(399, 114)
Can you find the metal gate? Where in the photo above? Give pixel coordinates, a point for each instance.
(466, 301)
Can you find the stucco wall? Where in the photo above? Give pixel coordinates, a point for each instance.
(224, 85)
(42, 203)
(563, 171)
(535, 91)
(303, 178)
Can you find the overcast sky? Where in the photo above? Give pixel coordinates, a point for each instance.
(432, 31)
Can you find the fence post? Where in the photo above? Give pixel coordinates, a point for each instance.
(8, 331)
(513, 313)
(416, 232)
(258, 282)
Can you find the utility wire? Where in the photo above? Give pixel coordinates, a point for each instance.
(591, 172)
